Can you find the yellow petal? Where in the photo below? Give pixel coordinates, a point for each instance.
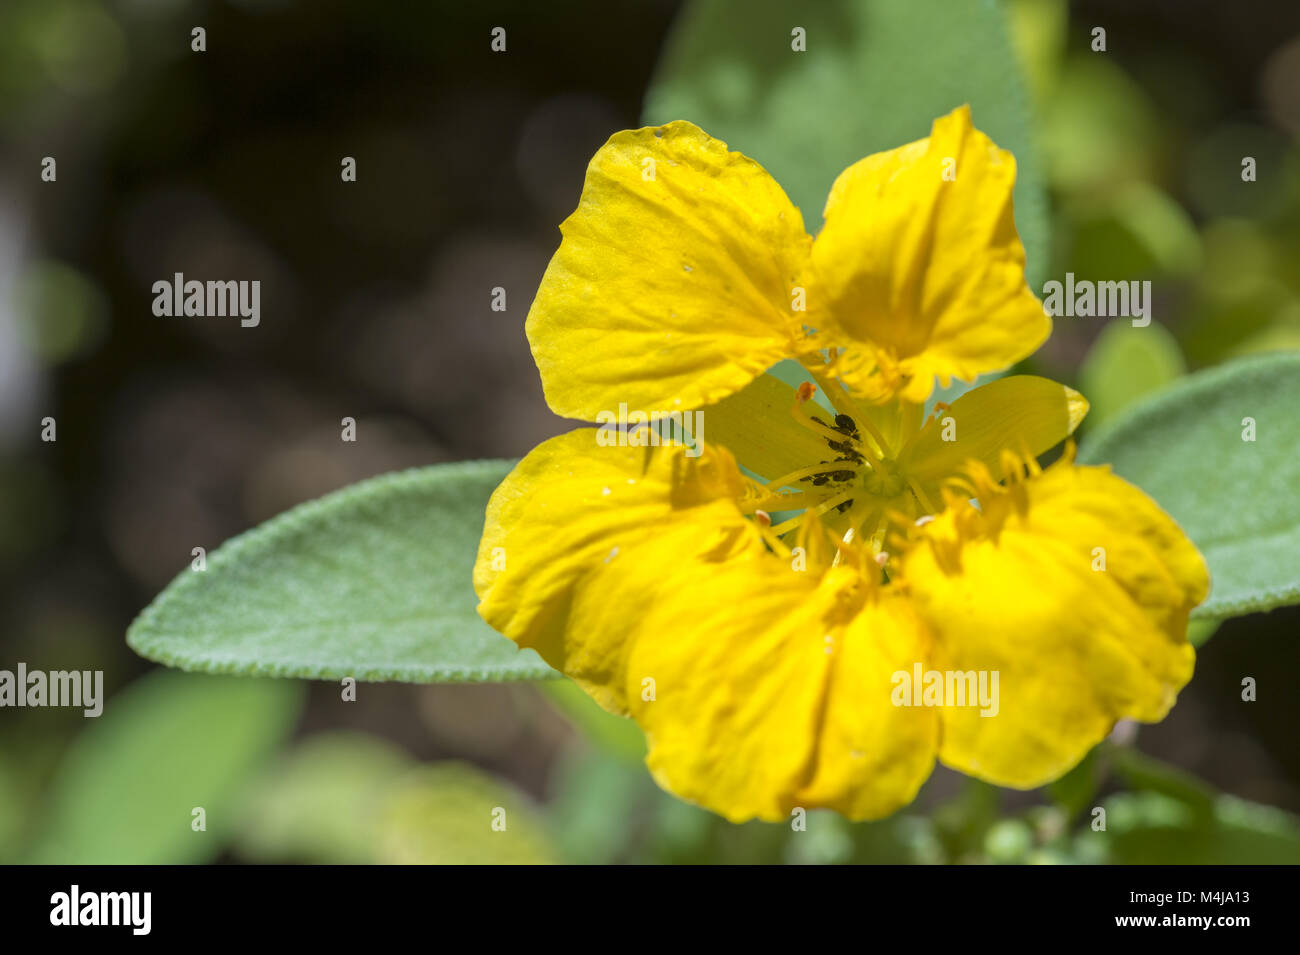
(1020, 413)
(872, 756)
(920, 260)
(755, 712)
(572, 510)
(736, 669)
(1017, 589)
(673, 285)
(756, 425)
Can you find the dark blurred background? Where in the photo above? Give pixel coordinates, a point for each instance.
(176, 433)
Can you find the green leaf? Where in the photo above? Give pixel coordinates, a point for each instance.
(585, 784)
(1127, 364)
(372, 582)
(874, 76)
(1147, 827)
(1147, 774)
(1135, 230)
(617, 735)
(1201, 629)
(345, 797)
(169, 743)
(1008, 840)
(1074, 791)
(320, 804)
(13, 810)
(1174, 818)
(1235, 498)
(455, 814)
(828, 840)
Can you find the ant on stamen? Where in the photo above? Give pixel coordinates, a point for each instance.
(847, 450)
(843, 424)
(840, 476)
(819, 480)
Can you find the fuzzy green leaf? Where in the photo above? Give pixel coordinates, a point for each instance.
(1235, 498)
(371, 582)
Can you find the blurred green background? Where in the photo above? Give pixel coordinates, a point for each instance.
(375, 300)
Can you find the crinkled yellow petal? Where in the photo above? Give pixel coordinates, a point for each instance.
(674, 283)
(738, 667)
(873, 756)
(754, 711)
(920, 260)
(1076, 647)
(1020, 413)
(569, 515)
(603, 619)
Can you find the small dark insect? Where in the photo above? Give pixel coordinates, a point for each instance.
(846, 450)
(840, 476)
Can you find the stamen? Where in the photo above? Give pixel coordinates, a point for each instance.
(843, 546)
(920, 496)
(812, 470)
(860, 414)
(822, 508)
(813, 538)
(763, 521)
(755, 496)
(963, 485)
(880, 536)
(1013, 466)
(939, 408)
(802, 395)
(1032, 467)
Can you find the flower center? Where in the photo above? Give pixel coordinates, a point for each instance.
(886, 480)
(859, 485)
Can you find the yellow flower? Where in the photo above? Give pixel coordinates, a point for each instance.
(775, 666)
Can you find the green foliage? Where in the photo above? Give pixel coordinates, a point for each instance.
(172, 742)
(351, 798)
(618, 735)
(318, 804)
(1235, 498)
(881, 73)
(1138, 231)
(444, 815)
(1127, 364)
(371, 582)
(1151, 827)
(1074, 791)
(597, 803)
